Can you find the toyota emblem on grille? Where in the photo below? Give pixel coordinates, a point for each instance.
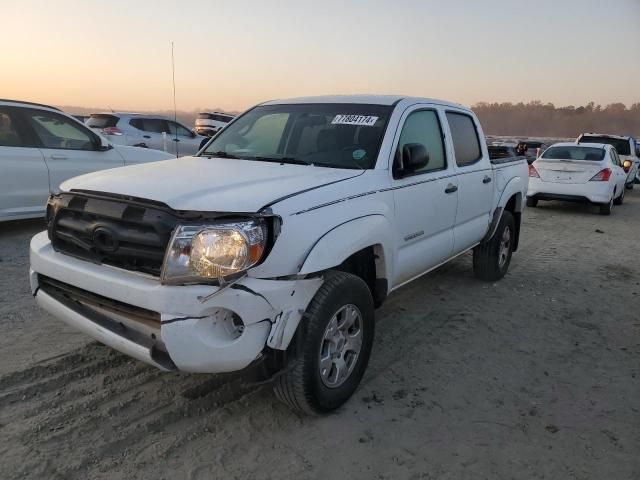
(105, 240)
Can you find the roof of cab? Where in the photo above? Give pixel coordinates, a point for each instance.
(363, 99)
(21, 103)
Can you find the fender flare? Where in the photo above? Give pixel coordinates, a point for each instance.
(342, 241)
(511, 188)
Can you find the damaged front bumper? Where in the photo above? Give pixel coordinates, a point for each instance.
(197, 328)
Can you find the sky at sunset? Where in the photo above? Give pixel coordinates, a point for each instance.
(233, 54)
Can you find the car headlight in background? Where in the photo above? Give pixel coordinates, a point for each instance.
(199, 253)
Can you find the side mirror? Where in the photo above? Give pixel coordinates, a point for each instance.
(627, 165)
(414, 157)
(103, 144)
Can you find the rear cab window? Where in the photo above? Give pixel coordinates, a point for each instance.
(464, 135)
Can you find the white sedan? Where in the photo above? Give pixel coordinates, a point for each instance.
(574, 172)
(41, 147)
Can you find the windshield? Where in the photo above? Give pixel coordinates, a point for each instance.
(621, 145)
(332, 135)
(574, 153)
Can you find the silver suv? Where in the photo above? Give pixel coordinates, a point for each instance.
(209, 123)
(142, 130)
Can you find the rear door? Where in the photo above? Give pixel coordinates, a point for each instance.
(24, 179)
(69, 148)
(475, 180)
(426, 200)
(154, 132)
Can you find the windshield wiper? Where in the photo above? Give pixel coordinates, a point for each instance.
(293, 160)
(220, 154)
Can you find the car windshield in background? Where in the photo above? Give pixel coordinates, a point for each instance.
(332, 135)
(621, 145)
(574, 153)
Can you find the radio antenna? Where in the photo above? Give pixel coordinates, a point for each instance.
(175, 111)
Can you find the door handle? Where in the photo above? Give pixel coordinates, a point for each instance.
(146, 136)
(58, 157)
(176, 140)
(451, 188)
(486, 179)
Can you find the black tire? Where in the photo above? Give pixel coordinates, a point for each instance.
(532, 202)
(629, 186)
(488, 263)
(605, 208)
(300, 385)
(620, 199)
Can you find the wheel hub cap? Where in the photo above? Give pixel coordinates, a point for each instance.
(340, 346)
(505, 245)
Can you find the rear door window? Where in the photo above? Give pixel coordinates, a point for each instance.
(464, 135)
(152, 125)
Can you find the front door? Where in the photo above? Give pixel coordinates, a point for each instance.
(24, 182)
(425, 200)
(182, 140)
(69, 149)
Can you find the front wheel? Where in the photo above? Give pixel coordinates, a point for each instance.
(491, 259)
(330, 351)
(629, 186)
(532, 202)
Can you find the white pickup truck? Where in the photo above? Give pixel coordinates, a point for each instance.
(279, 238)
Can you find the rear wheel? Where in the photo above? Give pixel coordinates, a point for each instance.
(532, 202)
(620, 199)
(330, 352)
(491, 259)
(605, 208)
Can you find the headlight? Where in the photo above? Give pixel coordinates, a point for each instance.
(213, 252)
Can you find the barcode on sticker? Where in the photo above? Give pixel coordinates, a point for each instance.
(365, 120)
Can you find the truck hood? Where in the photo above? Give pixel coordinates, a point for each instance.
(210, 184)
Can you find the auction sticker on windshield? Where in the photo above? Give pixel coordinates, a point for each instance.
(365, 120)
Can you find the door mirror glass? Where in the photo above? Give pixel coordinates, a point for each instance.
(414, 157)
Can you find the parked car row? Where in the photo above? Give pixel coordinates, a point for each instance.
(143, 130)
(41, 147)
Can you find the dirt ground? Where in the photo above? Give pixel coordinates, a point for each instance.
(533, 377)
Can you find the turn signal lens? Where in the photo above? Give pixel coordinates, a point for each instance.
(533, 172)
(602, 176)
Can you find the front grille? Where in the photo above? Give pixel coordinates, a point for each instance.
(128, 234)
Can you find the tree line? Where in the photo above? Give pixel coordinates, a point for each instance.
(537, 119)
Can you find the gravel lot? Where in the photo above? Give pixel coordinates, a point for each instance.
(535, 376)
